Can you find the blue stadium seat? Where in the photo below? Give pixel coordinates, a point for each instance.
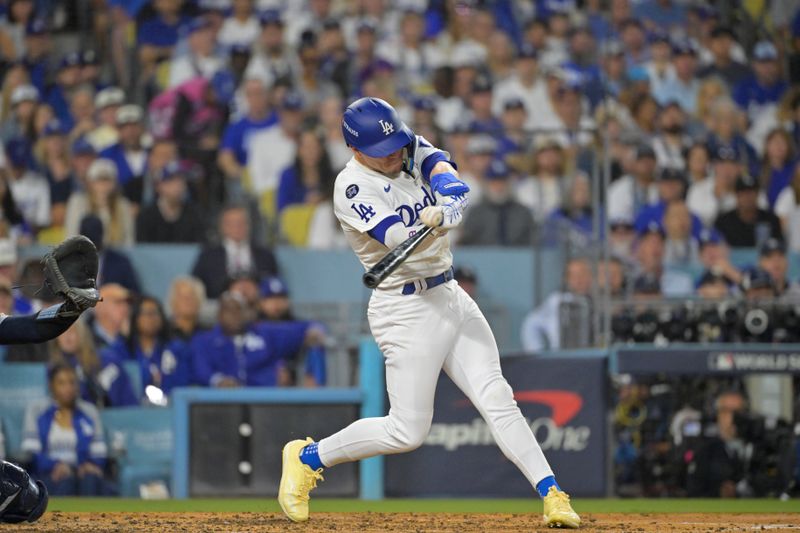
(140, 438)
(20, 385)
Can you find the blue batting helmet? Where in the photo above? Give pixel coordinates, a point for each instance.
(371, 125)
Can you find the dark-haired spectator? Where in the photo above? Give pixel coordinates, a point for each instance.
(66, 438)
(156, 37)
(29, 188)
(200, 59)
(649, 251)
(102, 380)
(748, 225)
(273, 60)
(543, 191)
(779, 163)
(248, 288)
(186, 299)
(18, 14)
(698, 163)
(103, 199)
(128, 154)
(761, 92)
(723, 64)
(714, 255)
(56, 165)
(310, 179)
(115, 267)
(513, 140)
(236, 139)
(164, 362)
(671, 141)
(628, 194)
(235, 255)
(757, 285)
(481, 118)
(274, 148)
(68, 78)
(498, 219)
(172, 217)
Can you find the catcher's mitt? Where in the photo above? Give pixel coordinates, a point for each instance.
(70, 270)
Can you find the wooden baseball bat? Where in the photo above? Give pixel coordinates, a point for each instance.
(389, 262)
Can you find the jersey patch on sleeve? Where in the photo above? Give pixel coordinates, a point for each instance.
(351, 191)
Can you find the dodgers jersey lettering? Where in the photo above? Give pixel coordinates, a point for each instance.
(362, 198)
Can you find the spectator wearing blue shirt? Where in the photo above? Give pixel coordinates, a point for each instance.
(765, 87)
(128, 154)
(310, 179)
(67, 79)
(37, 51)
(684, 86)
(66, 439)
(158, 35)
(726, 131)
(513, 142)
(235, 145)
(238, 352)
(779, 163)
(163, 361)
(101, 378)
(672, 188)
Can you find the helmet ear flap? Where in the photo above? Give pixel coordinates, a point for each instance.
(409, 157)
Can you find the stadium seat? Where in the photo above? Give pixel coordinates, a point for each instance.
(295, 221)
(20, 385)
(140, 439)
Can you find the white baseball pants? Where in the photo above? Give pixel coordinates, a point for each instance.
(420, 334)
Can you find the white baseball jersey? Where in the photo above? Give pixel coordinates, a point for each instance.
(363, 198)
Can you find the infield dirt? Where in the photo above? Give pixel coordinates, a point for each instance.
(58, 522)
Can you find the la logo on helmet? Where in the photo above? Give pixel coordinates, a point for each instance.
(388, 127)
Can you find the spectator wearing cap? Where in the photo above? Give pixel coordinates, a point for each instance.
(713, 286)
(81, 108)
(498, 219)
(660, 67)
(241, 27)
(172, 217)
(748, 225)
(671, 190)
(698, 162)
(684, 86)
(513, 141)
(335, 58)
(102, 198)
(68, 78)
(757, 284)
(787, 207)
(714, 255)
(761, 91)
(309, 180)
(30, 189)
(37, 51)
(671, 141)
(106, 103)
(55, 162)
(114, 265)
(621, 238)
(631, 192)
(129, 154)
(723, 65)
(715, 194)
(91, 70)
(583, 54)
(82, 156)
(524, 84)
(201, 59)
(235, 147)
(778, 163)
(157, 36)
(649, 252)
(273, 59)
(481, 118)
(543, 191)
(274, 148)
(24, 99)
(542, 328)
(772, 258)
(234, 255)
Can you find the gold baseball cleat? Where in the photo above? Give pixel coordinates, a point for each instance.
(558, 511)
(297, 480)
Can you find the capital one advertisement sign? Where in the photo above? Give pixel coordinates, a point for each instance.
(564, 403)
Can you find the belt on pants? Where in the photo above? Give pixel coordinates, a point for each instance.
(417, 286)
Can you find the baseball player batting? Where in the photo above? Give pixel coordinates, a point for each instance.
(394, 186)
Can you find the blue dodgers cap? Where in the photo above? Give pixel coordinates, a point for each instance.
(54, 127)
(498, 170)
(273, 286)
(683, 47)
(18, 152)
(293, 100)
(647, 284)
(651, 228)
(726, 152)
(372, 126)
(72, 59)
(771, 246)
(709, 277)
(83, 147)
(197, 24)
(271, 16)
(756, 278)
(173, 169)
(709, 236)
(36, 27)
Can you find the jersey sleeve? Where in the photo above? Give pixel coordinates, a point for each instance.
(428, 155)
(360, 204)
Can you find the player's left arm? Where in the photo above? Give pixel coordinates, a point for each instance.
(442, 174)
(40, 327)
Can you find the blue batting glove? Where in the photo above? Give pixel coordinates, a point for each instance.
(446, 184)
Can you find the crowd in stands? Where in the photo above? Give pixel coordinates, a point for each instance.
(142, 121)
